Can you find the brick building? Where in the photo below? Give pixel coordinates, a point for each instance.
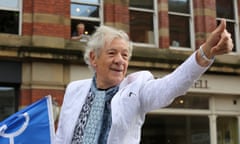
(38, 57)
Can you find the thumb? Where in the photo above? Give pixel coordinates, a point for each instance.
(221, 27)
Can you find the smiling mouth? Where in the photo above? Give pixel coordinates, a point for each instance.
(117, 70)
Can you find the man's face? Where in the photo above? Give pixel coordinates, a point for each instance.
(111, 64)
(80, 29)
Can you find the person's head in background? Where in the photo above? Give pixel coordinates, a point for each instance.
(80, 28)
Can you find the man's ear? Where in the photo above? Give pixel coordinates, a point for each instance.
(93, 59)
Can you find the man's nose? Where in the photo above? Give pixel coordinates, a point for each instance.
(119, 59)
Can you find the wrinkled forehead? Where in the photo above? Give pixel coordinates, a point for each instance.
(80, 26)
(124, 43)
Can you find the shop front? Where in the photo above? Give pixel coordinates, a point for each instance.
(208, 114)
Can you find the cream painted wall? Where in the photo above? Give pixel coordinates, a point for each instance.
(220, 84)
(47, 72)
(226, 103)
(77, 72)
(42, 75)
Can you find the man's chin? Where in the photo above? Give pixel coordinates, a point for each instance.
(117, 80)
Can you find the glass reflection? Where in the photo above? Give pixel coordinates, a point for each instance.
(9, 3)
(7, 102)
(179, 31)
(87, 1)
(227, 131)
(84, 10)
(9, 22)
(148, 4)
(181, 6)
(141, 24)
(225, 9)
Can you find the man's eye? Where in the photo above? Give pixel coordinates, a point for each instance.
(125, 56)
(111, 53)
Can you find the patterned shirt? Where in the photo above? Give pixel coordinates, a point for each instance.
(86, 109)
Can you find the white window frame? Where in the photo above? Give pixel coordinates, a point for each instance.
(191, 28)
(19, 9)
(236, 26)
(99, 19)
(155, 25)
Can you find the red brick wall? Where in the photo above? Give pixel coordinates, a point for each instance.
(163, 22)
(27, 27)
(204, 19)
(58, 8)
(28, 96)
(117, 14)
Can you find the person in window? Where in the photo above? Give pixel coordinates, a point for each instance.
(110, 107)
(80, 33)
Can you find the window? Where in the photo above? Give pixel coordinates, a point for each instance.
(181, 23)
(10, 11)
(184, 121)
(143, 22)
(88, 12)
(7, 101)
(227, 131)
(172, 129)
(228, 10)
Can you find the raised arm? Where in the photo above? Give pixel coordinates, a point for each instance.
(219, 42)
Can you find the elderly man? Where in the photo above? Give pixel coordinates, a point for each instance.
(80, 34)
(110, 108)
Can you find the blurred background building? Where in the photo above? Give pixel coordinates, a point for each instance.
(38, 58)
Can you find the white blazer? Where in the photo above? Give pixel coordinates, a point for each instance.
(138, 94)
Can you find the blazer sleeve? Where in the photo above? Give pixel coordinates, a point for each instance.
(73, 100)
(158, 93)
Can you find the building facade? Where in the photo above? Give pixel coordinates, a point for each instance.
(38, 58)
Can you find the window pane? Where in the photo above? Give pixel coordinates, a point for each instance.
(225, 9)
(191, 102)
(9, 4)
(227, 132)
(179, 31)
(87, 1)
(181, 6)
(9, 22)
(147, 4)
(7, 102)
(84, 10)
(168, 129)
(141, 27)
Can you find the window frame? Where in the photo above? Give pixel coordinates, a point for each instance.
(19, 9)
(154, 12)
(96, 21)
(191, 28)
